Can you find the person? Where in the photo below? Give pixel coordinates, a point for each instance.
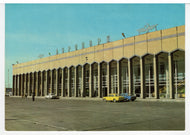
(26, 95)
(33, 96)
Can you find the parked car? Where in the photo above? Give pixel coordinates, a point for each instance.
(51, 96)
(8, 94)
(127, 97)
(113, 97)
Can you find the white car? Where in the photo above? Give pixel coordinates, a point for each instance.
(51, 96)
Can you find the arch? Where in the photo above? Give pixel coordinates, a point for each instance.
(94, 79)
(123, 58)
(94, 63)
(86, 80)
(72, 81)
(161, 53)
(103, 62)
(112, 60)
(104, 78)
(178, 65)
(177, 50)
(66, 67)
(133, 57)
(124, 75)
(146, 55)
(71, 66)
(79, 80)
(78, 65)
(113, 76)
(149, 75)
(136, 76)
(163, 74)
(86, 64)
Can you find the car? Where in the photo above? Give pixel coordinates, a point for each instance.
(127, 97)
(8, 94)
(51, 96)
(113, 97)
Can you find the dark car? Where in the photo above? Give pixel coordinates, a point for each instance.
(127, 97)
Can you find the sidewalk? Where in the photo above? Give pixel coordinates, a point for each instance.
(160, 100)
(100, 99)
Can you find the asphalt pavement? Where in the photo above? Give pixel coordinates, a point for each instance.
(75, 114)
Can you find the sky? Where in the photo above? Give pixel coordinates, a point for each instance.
(34, 29)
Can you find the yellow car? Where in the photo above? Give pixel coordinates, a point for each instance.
(113, 97)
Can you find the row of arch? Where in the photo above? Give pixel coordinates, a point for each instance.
(152, 76)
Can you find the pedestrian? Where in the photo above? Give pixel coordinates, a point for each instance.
(26, 95)
(33, 96)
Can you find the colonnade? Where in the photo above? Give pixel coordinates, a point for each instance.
(140, 76)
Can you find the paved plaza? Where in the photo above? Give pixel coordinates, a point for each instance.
(92, 115)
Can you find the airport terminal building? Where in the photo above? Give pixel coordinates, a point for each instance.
(150, 65)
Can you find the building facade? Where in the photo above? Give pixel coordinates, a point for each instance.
(150, 65)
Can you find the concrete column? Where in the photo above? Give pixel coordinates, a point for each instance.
(76, 90)
(62, 83)
(69, 81)
(90, 80)
(56, 81)
(33, 82)
(25, 84)
(171, 77)
(99, 81)
(28, 92)
(37, 89)
(46, 83)
(108, 78)
(15, 88)
(42, 84)
(142, 73)
(118, 78)
(21, 83)
(130, 74)
(82, 85)
(18, 85)
(30, 84)
(19, 91)
(13, 85)
(51, 81)
(156, 77)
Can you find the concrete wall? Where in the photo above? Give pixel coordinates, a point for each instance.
(167, 40)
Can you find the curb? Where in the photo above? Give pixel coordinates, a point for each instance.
(100, 99)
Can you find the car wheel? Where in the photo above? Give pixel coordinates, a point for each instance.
(104, 100)
(114, 100)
